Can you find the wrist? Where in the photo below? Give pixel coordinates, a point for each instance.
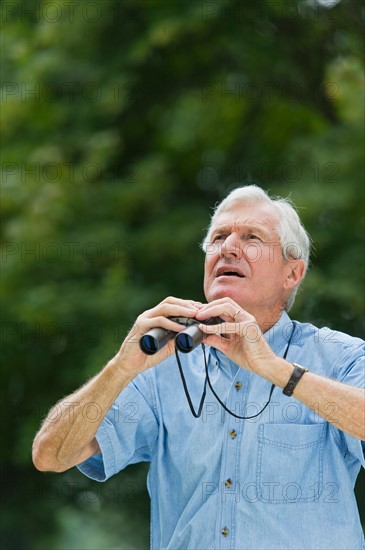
(275, 369)
(124, 375)
(295, 377)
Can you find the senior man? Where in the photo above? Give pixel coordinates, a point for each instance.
(245, 472)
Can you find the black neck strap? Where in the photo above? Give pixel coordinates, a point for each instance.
(207, 380)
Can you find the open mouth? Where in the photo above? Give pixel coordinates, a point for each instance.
(229, 273)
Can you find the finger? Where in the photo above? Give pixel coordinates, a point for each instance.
(172, 310)
(158, 322)
(225, 300)
(227, 311)
(220, 329)
(181, 301)
(221, 302)
(248, 331)
(217, 342)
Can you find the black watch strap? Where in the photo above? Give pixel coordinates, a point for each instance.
(294, 379)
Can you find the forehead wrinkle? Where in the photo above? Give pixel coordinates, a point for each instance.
(266, 228)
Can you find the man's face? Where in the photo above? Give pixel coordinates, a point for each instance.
(244, 260)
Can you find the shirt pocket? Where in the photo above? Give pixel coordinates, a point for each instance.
(290, 462)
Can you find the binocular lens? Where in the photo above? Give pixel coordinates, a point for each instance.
(148, 344)
(184, 342)
(154, 340)
(188, 339)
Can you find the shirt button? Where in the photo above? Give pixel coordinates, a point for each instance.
(238, 385)
(228, 483)
(233, 434)
(225, 532)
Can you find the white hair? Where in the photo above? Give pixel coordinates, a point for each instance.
(295, 241)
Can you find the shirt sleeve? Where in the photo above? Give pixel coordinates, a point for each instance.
(352, 372)
(128, 433)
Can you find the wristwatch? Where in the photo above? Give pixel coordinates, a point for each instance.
(294, 379)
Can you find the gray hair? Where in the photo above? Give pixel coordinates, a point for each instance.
(295, 241)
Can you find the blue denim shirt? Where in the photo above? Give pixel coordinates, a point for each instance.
(282, 480)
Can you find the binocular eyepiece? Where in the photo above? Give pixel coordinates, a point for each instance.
(185, 341)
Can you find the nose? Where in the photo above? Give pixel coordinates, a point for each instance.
(231, 247)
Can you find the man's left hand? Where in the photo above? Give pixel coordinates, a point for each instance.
(239, 336)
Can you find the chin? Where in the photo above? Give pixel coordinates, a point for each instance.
(218, 293)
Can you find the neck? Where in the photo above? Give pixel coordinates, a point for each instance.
(267, 318)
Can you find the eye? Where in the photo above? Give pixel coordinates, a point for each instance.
(252, 236)
(218, 237)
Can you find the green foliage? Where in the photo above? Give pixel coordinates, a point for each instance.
(123, 123)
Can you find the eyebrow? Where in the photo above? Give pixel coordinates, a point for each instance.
(242, 228)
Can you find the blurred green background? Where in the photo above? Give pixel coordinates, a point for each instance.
(123, 123)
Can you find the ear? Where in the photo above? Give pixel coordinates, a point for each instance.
(295, 273)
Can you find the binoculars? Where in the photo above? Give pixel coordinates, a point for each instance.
(185, 341)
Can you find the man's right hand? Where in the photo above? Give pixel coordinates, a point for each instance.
(130, 359)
